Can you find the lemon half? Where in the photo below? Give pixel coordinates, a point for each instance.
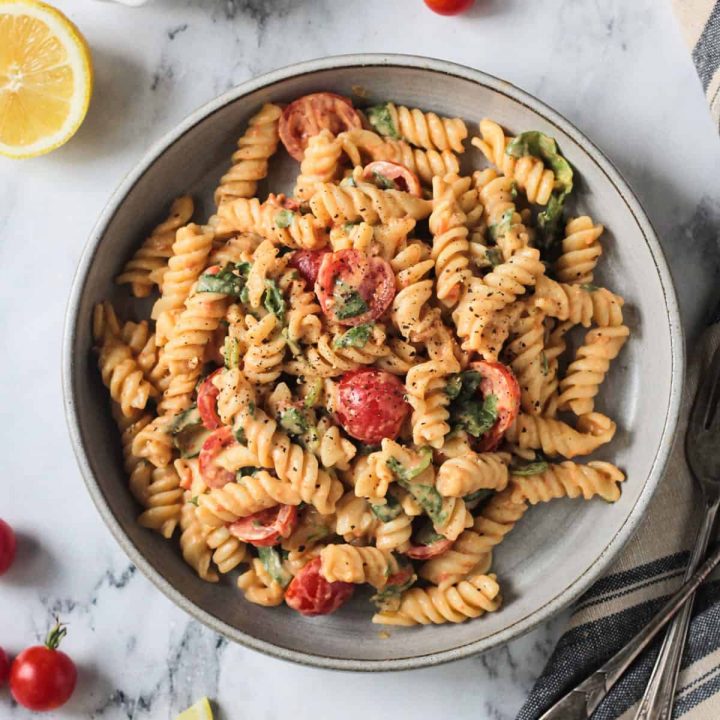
(201, 710)
(45, 78)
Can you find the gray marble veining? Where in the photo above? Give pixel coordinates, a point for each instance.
(617, 69)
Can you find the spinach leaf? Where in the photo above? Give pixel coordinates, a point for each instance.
(387, 512)
(533, 467)
(495, 256)
(380, 118)
(293, 421)
(464, 383)
(408, 474)
(383, 182)
(295, 348)
(427, 535)
(273, 300)
(272, 561)
(503, 227)
(476, 417)
(550, 220)
(478, 496)
(229, 281)
(354, 337)
(348, 301)
(284, 218)
(314, 390)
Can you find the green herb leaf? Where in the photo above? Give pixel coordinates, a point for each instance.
(589, 287)
(239, 434)
(380, 118)
(544, 367)
(383, 182)
(408, 474)
(478, 496)
(387, 512)
(273, 300)
(550, 220)
(231, 351)
(427, 496)
(348, 301)
(314, 390)
(194, 500)
(272, 561)
(293, 421)
(426, 535)
(495, 256)
(463, 384)
(229, 281)
(348, 226)
(501, 228)
(244, 472)
(354, 337)
(284, 218)
(531, 468)
(476, 418)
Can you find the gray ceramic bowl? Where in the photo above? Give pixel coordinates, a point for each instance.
(559, 549)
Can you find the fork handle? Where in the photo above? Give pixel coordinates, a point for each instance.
(659, 697)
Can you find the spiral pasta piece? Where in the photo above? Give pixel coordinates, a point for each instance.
(250, 159)
(162, 499)
(414, 289)
(320, 164)
(333, 450)
(263, 360)
(471, 472)
(586, 373)
(338, 204)
(527, 171)
(228, 551)
(470, 598)
(579, 305)
(274, 450)
(193, 544)
(525, 353)
(353, 517)
(555, 437)
(581, 251)
(347, 563)
(450, 249)
(568, 479)
(272, 221)
(246, 496)
(426, 129)
(149, 262)
(259, 588)
(190, 252)
(154, 442)
(400, 358)
(484, 298)
(394, 535)
(311, 529)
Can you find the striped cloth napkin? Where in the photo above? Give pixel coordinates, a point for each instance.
(700, 22)
(648, 570)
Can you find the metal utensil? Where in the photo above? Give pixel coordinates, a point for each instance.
(703, 451)
(702, 448)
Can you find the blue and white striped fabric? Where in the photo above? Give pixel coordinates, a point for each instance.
(700, 22)
(617, 606)
(649, 569)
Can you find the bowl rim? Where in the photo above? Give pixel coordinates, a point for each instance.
(613, 546)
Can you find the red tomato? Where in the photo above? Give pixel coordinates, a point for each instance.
(42, 677)
(4, 667)
(399, 175)
(311, 594)
(371, 405)
(266, 527)
(214, 475)
(8, 544)
(310, 114)
(307, 263)
(498, 380)
(353, 288)
(449, 7)
(207, 402)
(425, 552)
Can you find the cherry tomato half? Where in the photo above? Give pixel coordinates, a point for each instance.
(4, 667)
(266, 527)
(307, 263)
(8, 545)
(214, 475)
(371, 405)
(393, 175)
(498, 380)
(449, 7)
(310, 114)
(425, 552)
(207, 402)
(311, 594)
(353, 288)
(42, 677)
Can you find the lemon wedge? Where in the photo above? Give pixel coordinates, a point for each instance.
(201, 710)
(45, 78)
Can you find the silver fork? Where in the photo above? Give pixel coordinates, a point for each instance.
(702, 448)
(703, 451)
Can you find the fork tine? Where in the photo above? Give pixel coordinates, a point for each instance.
(706, 398)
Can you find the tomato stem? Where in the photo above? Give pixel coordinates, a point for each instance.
(56, 634)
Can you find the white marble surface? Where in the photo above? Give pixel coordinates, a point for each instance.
(617, 69)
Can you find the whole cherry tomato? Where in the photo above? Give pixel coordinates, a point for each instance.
(449, 7)
(266, 527)
(42, 677)
(371, 405)
(8, 544)
(311, 594)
